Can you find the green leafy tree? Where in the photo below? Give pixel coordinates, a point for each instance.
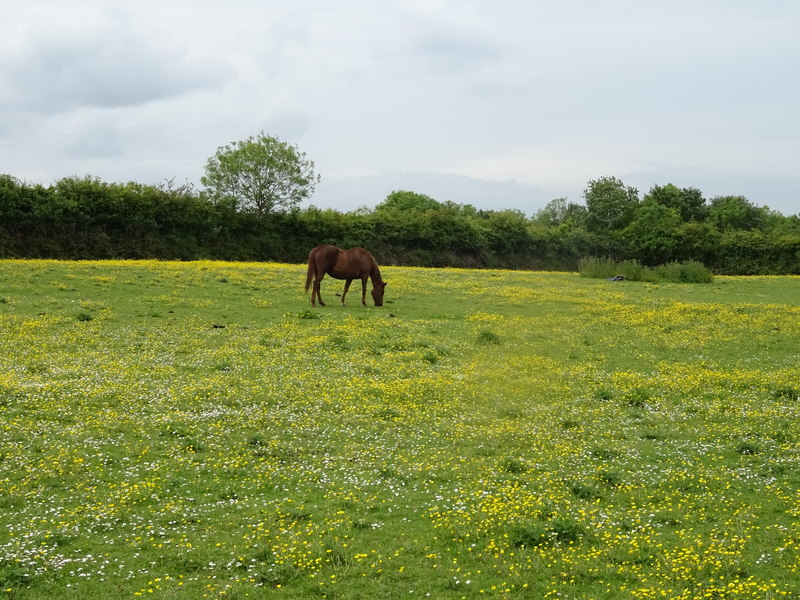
(736, 213)
(507, 231)
(688, 202)
(610, 204)
(405, 200)
(653, 234)
(575, 215)
(698, 241)
(553, 213)
(261, 174)
(560, 212)
(465, 210)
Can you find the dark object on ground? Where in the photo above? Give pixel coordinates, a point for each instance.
(616, 278)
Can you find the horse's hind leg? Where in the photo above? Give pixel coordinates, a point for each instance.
(346, 287)
(315, 292)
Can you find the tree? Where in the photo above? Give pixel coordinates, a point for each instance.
(698, 241)
(689, 202)
(560, 212)
(610, 204)
(652, 236)
(553, 213)
(261, 174)
(405, 200)
(736, 212)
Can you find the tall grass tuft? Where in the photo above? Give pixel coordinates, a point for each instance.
(687, 272)
(633, 270)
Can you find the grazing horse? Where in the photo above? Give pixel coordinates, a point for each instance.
(355, 263)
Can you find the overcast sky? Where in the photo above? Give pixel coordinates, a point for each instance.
(496, 103)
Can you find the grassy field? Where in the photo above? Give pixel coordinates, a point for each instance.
(197, 430)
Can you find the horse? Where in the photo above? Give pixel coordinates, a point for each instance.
(355, 263)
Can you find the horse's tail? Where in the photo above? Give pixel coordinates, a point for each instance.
(310, 273)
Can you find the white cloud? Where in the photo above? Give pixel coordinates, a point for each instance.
(548, 95)
(69, 59)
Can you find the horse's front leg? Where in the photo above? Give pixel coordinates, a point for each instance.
(346, 287)
(364, 291)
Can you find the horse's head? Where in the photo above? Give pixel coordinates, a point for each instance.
(377, 292)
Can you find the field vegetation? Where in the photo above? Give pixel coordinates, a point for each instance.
(197, 430)
(85, 218)
(633, 270)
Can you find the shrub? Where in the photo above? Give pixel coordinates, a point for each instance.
(597, 268)
(605, 268)
(257, 441)
(13, 575)
(748, 448)
(637, 398)
(605, 453)
(488, 337)
(610, 479)
(585, 492)
(389, 414)
(786, 392)
(603, 394)
(192, 446)
(529, 536)
(430, 357)
(632, 270)
(307, 314)
(688, 272)
(567, 530)
(514, 466)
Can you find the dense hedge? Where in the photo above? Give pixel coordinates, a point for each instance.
(85, 218)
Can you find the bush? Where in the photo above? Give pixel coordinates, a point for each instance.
(748, 448)
(487, 337)
(688, 272)
(308, 314)
(529, 536)
(597, 268)
(514, 466)
(585, 492)
(605, 268)
(786, 392)
(532, 535)
(632, 270)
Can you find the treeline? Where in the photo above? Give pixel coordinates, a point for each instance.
(86, 218)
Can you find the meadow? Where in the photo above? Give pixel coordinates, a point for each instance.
(198, 430)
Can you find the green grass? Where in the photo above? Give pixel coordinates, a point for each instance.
(197, 430)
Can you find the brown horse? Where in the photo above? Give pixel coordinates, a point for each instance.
(355, 263)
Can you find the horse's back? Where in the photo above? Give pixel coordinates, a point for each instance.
(357, 254)
(359, 258)
(323, 256)
(341, 264)
(323, 250)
